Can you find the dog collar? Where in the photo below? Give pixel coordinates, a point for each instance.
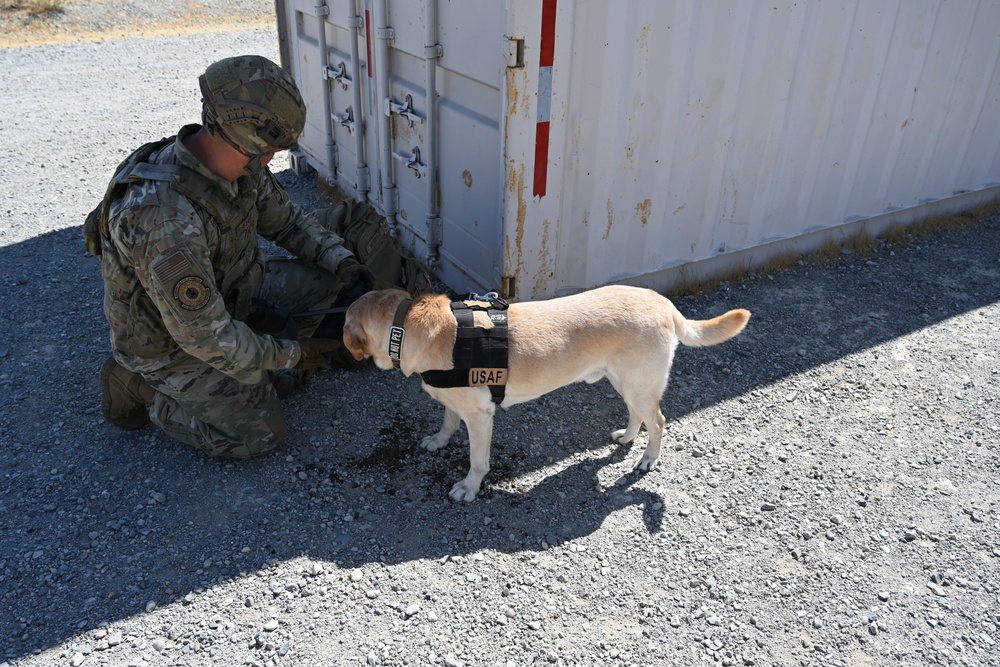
(397, 332)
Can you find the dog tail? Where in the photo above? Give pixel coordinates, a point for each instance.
(701, 333)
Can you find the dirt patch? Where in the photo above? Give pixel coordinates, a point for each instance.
(22, 25)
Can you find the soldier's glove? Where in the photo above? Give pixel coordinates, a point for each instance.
(357, 280)
(315, 353)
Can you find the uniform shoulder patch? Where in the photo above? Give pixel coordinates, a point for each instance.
(189, 291)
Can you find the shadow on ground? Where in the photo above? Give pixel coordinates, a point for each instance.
(99, 522)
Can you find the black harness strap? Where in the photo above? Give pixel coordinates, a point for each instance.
(480, 355)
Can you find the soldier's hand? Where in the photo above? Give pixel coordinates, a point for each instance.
(357, 278)
(314, 353)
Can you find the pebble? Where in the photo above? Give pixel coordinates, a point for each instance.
(768, 507)
(883, 596)
(159, 645)
(356, 575)
(936, 589)
(271, 626)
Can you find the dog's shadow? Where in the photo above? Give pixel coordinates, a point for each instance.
(518, 509)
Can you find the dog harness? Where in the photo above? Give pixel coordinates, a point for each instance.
(479, 356)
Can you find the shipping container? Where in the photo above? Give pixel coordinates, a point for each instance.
(542, 147)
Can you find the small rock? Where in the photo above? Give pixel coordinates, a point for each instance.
(936, 589)
(159, 645)
(271, 626)
(411, 611)
(768, 507)
(883, 596)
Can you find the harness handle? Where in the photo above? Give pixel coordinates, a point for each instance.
(493, 298)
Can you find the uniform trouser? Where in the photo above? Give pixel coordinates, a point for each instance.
(223, 417)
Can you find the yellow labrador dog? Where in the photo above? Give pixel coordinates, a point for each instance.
(626, 334)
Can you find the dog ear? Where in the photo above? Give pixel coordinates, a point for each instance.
(354, 339)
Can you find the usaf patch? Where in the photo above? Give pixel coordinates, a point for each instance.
(191, 292)
(481, 377)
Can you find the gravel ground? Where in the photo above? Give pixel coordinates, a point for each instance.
(828, 494)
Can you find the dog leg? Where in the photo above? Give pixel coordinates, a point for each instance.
(626, 435)
(655, 427)
(480, 438)
(435, 442)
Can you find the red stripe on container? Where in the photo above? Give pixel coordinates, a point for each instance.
(548, 46)
(368, 41)
(541, 159)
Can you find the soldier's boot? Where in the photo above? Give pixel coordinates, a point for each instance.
(124, 396)
(287, 381)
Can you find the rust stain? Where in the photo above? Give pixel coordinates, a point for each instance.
(905, 122)
(515, 186)
(611, 219)
(586, 219)
(467, 178)
(680, 208)
(546, 270)
(643, 208)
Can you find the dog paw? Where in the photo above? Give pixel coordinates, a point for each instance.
(464, 491)
(434, 442)
(619, 437)
(646, 462)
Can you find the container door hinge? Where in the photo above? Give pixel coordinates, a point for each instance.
(364, 179)
(433, 51)
(515, 52)
(390, 201)
(435, 231)
(299, 162)
(404, 109)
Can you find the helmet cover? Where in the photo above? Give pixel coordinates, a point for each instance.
(253, 103)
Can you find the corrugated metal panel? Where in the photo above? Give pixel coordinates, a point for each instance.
(625, 141)
(684, 130)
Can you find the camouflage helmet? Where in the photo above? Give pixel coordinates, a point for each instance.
(253, 104)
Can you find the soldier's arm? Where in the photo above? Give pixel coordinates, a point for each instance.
(173, 263)
(284, 223)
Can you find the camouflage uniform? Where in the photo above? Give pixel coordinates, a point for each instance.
(179, 273)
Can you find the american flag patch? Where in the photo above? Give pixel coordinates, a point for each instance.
(170, 267)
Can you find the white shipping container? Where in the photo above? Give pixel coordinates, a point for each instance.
(566, 145)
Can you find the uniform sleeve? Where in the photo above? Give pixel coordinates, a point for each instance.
(173, 263)
(284, 223)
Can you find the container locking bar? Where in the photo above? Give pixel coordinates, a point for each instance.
(412, 160)
(404, 109)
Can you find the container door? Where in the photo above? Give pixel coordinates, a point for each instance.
(430, 163)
